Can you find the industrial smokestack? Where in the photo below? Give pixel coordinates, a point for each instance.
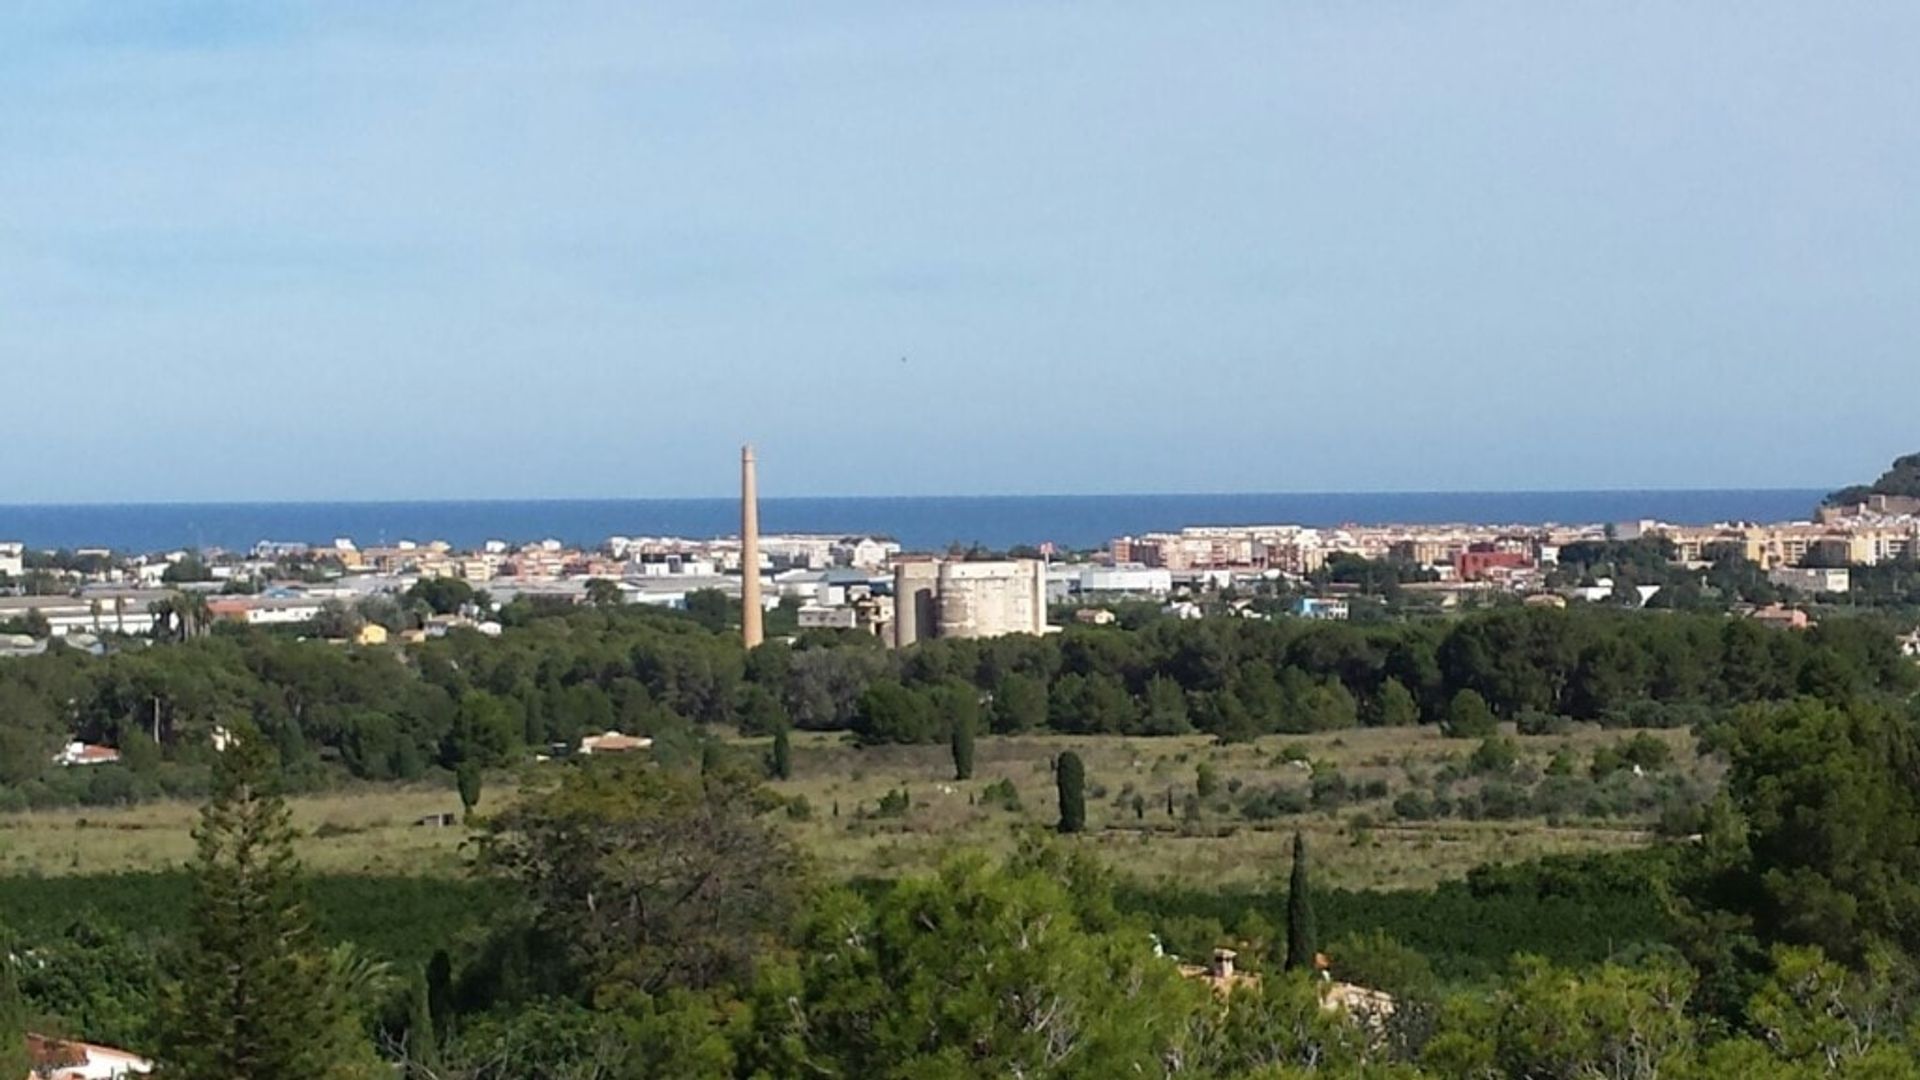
(751, 632)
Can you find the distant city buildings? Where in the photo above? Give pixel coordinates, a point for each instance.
(1298, 550)
(1858, 539)
(865, 584)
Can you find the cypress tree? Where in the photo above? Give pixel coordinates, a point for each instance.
(1302, 941)
(1071, 775)
(256, 999)
(467, 779)
(440, 994)
(14, 1059)
(423, 1046)
(780, 764)
(962, 748)
(1206, 780)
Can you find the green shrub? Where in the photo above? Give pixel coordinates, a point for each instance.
(1330, 790)
(1495, 755)
(1535, 722)
(895, 803)
(1414, 806)
(1265, 804)
(1002, 794)
(1647, 751)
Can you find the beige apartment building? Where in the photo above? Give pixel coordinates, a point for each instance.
(1791, 544)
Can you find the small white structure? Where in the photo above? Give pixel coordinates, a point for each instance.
(79, 753)
(59, 1059)
(613, 742)
(1321, 607)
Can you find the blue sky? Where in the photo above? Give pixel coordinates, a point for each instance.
(501, 250)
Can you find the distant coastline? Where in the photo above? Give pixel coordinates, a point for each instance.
(919, 522)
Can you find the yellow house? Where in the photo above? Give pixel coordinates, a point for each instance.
(371, 634)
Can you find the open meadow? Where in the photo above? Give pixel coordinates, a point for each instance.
(1161, 810)
(1148, 816)
(370, 830)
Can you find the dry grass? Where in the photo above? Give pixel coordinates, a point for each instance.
(371, 830)
(1357, 846)
(365, 831)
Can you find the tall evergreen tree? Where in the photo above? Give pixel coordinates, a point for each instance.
(14, 1059)
(440, 994)
(1071, 775)
(962, 739)
(256, 999)
(466, 778)
(780, 764)
(423, 1046)
(1302, 939)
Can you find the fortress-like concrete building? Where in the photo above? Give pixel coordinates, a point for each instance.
(943, 598)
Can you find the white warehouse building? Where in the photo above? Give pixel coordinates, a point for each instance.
(1131, 579)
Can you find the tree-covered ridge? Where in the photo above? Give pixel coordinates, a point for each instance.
(1902, 479)
(389, 713)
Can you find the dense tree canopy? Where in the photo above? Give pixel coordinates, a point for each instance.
(397, 712)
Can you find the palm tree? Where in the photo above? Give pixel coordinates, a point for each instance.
(163, 615)
(191, 609)
(184, 615)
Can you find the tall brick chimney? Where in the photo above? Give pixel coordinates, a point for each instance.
(751, 632)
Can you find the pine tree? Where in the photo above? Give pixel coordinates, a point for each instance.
(1468, 717)
(1301, 937)
(1392, 706)
(423, 1045)
(256, 999)
(1071, 775)
(962, 748)
(14, 1059)
(781, 763)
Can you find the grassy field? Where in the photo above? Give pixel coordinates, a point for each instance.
(366, 831)
(1358, 845)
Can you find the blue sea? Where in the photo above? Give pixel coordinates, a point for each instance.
(918, 522)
